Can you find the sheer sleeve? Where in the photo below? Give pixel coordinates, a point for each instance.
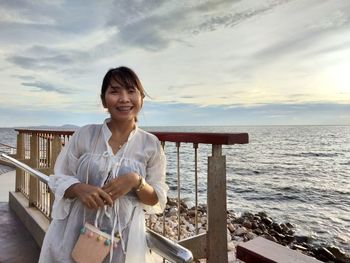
(155, 176)
(64, 176)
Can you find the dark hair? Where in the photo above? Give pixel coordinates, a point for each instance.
(124, 76)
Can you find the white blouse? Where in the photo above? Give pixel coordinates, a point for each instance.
(88, 157)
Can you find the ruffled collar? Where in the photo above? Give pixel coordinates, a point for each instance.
(107, 135)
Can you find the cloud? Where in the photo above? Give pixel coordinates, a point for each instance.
(23, 77)
(42, 57)
(43, 86)
(233, 17)
(155, 25)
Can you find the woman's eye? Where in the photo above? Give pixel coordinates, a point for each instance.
(114, 91)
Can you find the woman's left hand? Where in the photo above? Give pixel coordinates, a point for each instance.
(121, 185)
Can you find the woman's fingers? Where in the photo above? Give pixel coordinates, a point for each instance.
(121, 185)
(91, 204)
(93, 197)
(99, 201)
(107, 199)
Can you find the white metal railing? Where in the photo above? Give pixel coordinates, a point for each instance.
(161, 245)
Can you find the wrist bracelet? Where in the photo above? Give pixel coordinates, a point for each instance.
(142, 183)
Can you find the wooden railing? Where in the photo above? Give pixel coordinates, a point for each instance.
(8, 149)
(40, 148)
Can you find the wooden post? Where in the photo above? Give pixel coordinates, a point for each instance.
(19, 156)
(217, 229)
(34, 163)
(55, 150)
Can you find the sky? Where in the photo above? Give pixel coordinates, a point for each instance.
(237, 62)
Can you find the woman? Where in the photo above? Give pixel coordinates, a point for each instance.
(115, 168)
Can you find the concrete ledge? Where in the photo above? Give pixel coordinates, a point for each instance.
(32, 218)
(265, 251)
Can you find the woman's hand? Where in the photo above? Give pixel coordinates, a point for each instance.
(91, 196)
(121, 185)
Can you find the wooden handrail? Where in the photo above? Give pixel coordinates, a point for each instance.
(187, 137)
(54, 132)
(8, 146)
(202, 137)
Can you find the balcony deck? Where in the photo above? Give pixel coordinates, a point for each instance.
(16, 243)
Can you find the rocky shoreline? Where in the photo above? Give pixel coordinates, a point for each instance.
(240, 229)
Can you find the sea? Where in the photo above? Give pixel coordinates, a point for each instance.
(296, 174)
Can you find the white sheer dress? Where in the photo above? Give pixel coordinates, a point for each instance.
(88, 156)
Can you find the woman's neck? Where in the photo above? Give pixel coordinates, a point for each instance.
(121, 128)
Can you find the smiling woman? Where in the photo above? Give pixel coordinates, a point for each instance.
(109, 174)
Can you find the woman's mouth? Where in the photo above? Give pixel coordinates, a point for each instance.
(124, 108)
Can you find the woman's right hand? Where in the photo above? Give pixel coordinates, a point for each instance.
(91, 196)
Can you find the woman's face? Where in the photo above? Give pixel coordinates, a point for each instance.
(123, 103)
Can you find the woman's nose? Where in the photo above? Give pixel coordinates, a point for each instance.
(124, 96)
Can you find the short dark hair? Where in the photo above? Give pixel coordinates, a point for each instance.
(124, 76)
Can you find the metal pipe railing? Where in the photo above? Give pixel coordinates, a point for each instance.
(163, 246)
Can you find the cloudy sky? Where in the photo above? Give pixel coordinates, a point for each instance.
(237, 62)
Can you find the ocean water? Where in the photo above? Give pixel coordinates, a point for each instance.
(296, 174)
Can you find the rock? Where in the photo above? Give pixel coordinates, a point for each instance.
(247, 224)
(191, 213)
(202, 231)
(255, 225)
(248, 215)
(298, 247)
(277, 227)
(153, 218)
(271, 238)
(289, 238)
(231, 227)
(263, 227)
(276, 234)
(322, 251)
(302, 239)
(257, 218)
(290, 232)
(172, 211)
(340, 255)
(237, 239)
(262, 214)
(267, 221)
(284, 227)
(231, 246)
(171, 202)
(240, 231)
(250, 235)
(228, 235)
(239, 220)
(258, 231)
